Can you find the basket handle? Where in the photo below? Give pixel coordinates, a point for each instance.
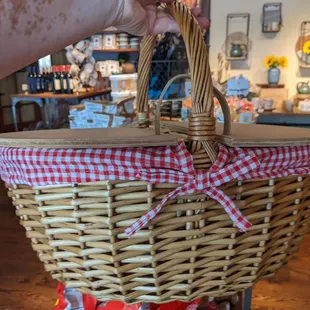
(216, 93)
(202, 122)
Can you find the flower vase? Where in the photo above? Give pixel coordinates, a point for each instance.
(308, 59)
(274, 75)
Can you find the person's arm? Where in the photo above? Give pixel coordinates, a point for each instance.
(31, 29)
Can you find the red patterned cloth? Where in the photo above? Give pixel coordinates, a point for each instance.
(41, 167)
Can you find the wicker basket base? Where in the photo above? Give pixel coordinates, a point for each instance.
(191, 249)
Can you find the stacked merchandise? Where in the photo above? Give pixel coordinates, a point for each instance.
(97, 41)
(108, 67)
(123, 86)
(80, 56)
(123, 40)
(241, 110)
(101, 114)
(110, 40)
(134, 43)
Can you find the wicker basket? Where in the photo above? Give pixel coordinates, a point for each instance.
(78, 231)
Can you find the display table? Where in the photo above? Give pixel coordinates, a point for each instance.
(44, 99)
(293, 119)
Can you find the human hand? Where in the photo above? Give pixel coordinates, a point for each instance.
(142, 17)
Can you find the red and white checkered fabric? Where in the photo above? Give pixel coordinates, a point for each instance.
(41, 167)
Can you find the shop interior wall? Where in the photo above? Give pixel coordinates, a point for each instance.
(281, 44)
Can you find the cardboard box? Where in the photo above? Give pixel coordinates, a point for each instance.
(103, 120)
(95, 105)
(118, 121)
(101, 114)
(78, 107)
(100, 106)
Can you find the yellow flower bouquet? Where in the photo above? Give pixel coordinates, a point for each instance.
(306, 48)
(275, 62)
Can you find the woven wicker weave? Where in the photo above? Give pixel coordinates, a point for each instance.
(78, 231)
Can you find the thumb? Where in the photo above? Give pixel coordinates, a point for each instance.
(165, 23)
(134, 19)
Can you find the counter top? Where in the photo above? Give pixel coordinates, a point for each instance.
(49, 95)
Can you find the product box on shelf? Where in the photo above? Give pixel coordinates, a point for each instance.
(109, 41)
(108, 67)
(97, 41)
(123, 82)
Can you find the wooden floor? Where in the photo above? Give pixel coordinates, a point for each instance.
(24, 285)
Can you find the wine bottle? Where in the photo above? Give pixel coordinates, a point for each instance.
(53, 79)
(34, 81)
(56, 81)
(49, 80)
(69, 80)
(38, 80)
(63, 80)
(43, 79)
(30, 80)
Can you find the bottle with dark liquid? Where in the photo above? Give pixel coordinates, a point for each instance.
(69, 80)
(63, 79)
(49, 80)
(30, 80)
(43, 80)
(38, 80)
(53, 78)
(35, 81)
(56, 81)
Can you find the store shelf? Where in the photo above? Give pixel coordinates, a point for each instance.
(118, 50)
(236, 58)
(271, 85)
(303, 96)
(265, 31)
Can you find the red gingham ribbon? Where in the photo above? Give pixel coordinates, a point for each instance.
(42, 167)
(205, 182)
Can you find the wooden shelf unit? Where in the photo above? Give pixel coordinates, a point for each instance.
(236, 58)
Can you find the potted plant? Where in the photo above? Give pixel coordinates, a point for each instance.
(273, 63)
(306, 50)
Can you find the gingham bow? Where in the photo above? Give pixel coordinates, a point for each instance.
(205, 182)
